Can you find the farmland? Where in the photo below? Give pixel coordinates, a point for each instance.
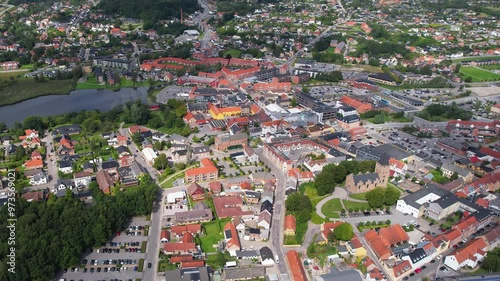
(478, 75)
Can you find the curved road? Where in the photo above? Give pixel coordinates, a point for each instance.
(339, 192)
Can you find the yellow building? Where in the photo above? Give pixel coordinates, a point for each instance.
(220, 113)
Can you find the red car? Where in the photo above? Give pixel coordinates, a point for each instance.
(418, 270)
(118, 233)
(316, 268)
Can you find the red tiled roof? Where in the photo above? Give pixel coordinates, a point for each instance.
(181, 258)
(33, 163)
(298, 272)
(401, 268)
(181, 229)
(191, 264)
(290, 223)
(215, 186)
(483, 202)
(179, 247)
(206, 167)
(165, 234)
(187, 238)
(234, 241)
(469, 250)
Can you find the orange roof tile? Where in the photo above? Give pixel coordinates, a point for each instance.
(298, 272)
(290, 223)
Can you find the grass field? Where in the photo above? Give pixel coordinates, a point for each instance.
(331, 206)
(213, 235)
(354, 205)
(22, 89)
(233, 52)
(359, 196)
(478, 74)
(491, 67)
(14, 74)
(476, 58)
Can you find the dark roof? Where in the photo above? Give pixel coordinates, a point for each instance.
(365, 177)
(266, 205)
(482, 214)
(188, 274)
(64, 164)
(349, 118)
(266, 253)
(122, 149)
(384, 159)
(412, 198)
(69, 129)
(346, 275)
(382, 76)
(417, 255)
(110, 164)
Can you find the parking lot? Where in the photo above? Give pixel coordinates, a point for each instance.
(117, 260)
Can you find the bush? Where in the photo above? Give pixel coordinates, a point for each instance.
(350, 210)
(380, 223)
(361, 224)
(356, 209)
(342, 211)
(388, 222)
(368, 223)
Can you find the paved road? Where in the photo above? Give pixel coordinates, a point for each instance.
(51, 166)
(153, 246)
(279, 213)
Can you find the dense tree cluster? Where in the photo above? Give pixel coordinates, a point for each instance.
(492, 261)
(382, 196)
(149, 10)
(334, 76)
(440, 112)
(343, 232)
(52, 235)
(300, 206)
(331, 175)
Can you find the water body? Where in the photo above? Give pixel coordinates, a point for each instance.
(78, 100)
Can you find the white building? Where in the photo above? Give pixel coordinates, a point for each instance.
(39, 179)
(174, 197)
(469, 255)
(149, 154)
(412, 204)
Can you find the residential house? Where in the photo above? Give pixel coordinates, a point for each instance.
(290, 225)
(264, 220)
(470, 254)
(176, 248)
(266, 256)
(232, 239)
(231, 206)
(244, 273)
(165, 236)
(180, 230)
(215, 187)
(39, 179)
(296, 267)
(206, 172)
(82, 178)
(66, 167)
(104, 181)
(382, 241)
(196, 192)
(200, 213)
(37, 196)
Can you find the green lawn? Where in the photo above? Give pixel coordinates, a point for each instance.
(476, 58)
(165, 265)
(354, 205)
(478, 74)
(299, 235)
(331, 207)
(321, 251)
(213, 234)
(233, 52)
(316, 219)
(359, 196)
(491, 67)
(26, 88)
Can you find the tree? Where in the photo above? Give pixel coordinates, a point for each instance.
(297, 202)
(293, 102)
(454, 176)
(492, 262)
(391, 196)
(376, 197)
(325, 182)
(331, 237)
(344, 232)
(161, 162)
(220, 259)
(136, 137)
(304, 215)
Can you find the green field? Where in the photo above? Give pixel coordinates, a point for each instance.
(213, 235)
(491, 67)
(233, 52)
(19, 89)
(476, 58)
(354, 205)
(331, 206)
(478, 74)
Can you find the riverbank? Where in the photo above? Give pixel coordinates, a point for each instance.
(19, 90)
(78, 100)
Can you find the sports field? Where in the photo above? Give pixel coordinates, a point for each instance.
(477, 74)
